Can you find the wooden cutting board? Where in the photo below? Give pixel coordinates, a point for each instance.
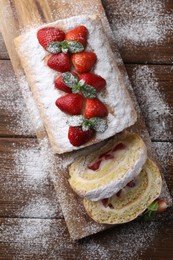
(17, 15)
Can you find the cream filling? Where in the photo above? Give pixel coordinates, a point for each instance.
(113, 187)
(145, 193)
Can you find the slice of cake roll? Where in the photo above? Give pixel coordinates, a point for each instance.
(107, 170)
(130, 201)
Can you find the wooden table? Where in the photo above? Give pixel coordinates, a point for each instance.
(32, 224)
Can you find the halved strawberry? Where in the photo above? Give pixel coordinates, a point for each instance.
(59, 84)
(70, 104)
(49, 34)
(78, 34)
(94, 80)
(78, 137)
(59, 62)
(95, 108)
(83, 61)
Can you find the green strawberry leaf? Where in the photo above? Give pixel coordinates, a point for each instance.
(88, 91)
(98, 124)
(151, 210)
(76, 120)
(54, 47)
(69, 79)
(75, 46)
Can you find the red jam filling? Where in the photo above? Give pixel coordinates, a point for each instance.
(109, 155)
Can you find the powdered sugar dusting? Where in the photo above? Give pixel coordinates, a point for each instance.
(140, 22)
(156, 111)
(12, 103)
(28, 183)
(37, 238)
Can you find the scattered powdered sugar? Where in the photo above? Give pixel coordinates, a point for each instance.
(165, 153)
(12, 103)
(42, 237)
(41, 207)
(139, 22)
(157, 113)
(34, 163)
(28, 183)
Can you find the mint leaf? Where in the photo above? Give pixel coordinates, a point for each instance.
(76, 89)
(151, 210)
(98, 124)
(75, 46)
(69, 79)
(88, 91)
(81, 82)
(54, 47)
(86, 125)
(64, 46)
(76, 120)
(153, 206)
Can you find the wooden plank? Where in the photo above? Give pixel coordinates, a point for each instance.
(14, 116)
(148, 51)
(26, 189)
(49, 239)
(68, 199)
(153, 87)
(142, 29)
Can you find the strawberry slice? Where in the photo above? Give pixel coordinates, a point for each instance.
(94, 80)
(95, 166)
(59, 62)
(59, 84)
(70, 104)
(78, 34)
(84, 61)
(49, 34)
(105, 202)
(78, 137)
(95, 108)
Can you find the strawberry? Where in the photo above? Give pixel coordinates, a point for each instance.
(59, 84)
(78, 137)
(95, 108)
(83, 61)
(78, 34)
(162, 205)
(94, 80)
(70, 103)
(49, 34)
(59, 62)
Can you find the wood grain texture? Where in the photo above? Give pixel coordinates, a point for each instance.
(49, 239)
(26, 189)
(14, 116)
(153, 87)
(131, 23)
